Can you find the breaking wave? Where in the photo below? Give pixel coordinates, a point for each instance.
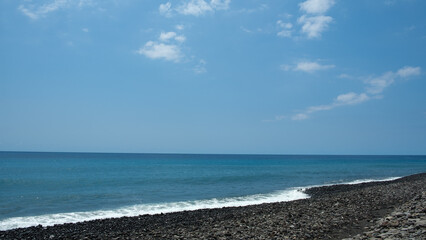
(140, 209)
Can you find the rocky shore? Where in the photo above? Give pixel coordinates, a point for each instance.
(394, 210)
(406, 222)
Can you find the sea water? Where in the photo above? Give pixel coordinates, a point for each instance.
(53, 188)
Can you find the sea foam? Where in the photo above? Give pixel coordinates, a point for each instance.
(140, 209)
(372, 180)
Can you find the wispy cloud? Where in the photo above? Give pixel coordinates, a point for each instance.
(350, 98)
(37, 11)
(374, 87)
(166, 36)
(194, 7)
(306, 66)
(220, 4)
(314, 26)
(260, 8)
(285, 29)
(316, 6)
(314, 22)
(246, 30)
(180, 38)
(180, 27)
(200, 67)
(165, 9)
(345, 76)
(408, 71)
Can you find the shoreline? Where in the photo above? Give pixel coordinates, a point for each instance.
(332, 212)
(286, 195)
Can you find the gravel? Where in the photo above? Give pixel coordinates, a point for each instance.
(406, 222)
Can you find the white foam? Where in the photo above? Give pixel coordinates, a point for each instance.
(140, 209)
(372, 180)
(353, 182)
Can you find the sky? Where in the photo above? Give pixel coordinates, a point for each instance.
(213, 76)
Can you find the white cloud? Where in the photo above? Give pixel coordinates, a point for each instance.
(375, 86)
(314, 26)
(284, 33)
(201, 7)
(155, 50)
(165, 9)
(313, 21)
(29, 13)
(220, 4)
(36, 11)
(83, 3)
(167, 36)
(285, 29)
(409, 71)
(311, 67)
(168, 47)
(341, 100)
(316, 6)
(85, 30)
(180, 27)
(180, 38)
(306, 66)
(195, 7)
(350, 98)
(246, 30)
(319, 108)
(284, 25)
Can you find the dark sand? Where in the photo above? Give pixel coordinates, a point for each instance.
(333, 212)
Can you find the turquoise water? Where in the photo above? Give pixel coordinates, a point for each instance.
(51, 188)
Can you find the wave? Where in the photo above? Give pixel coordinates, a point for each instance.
(372, 180)
(358, 181)
(141, 209)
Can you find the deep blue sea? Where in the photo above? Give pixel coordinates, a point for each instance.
(51, 188)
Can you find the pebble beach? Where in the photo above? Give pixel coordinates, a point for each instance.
(376, 210)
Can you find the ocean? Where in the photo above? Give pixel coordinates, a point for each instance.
(54, 188)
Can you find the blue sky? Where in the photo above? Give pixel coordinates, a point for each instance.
(213, 76)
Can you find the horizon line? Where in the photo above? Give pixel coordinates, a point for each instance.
(174, 153)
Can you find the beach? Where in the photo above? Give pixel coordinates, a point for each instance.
(332, 212)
